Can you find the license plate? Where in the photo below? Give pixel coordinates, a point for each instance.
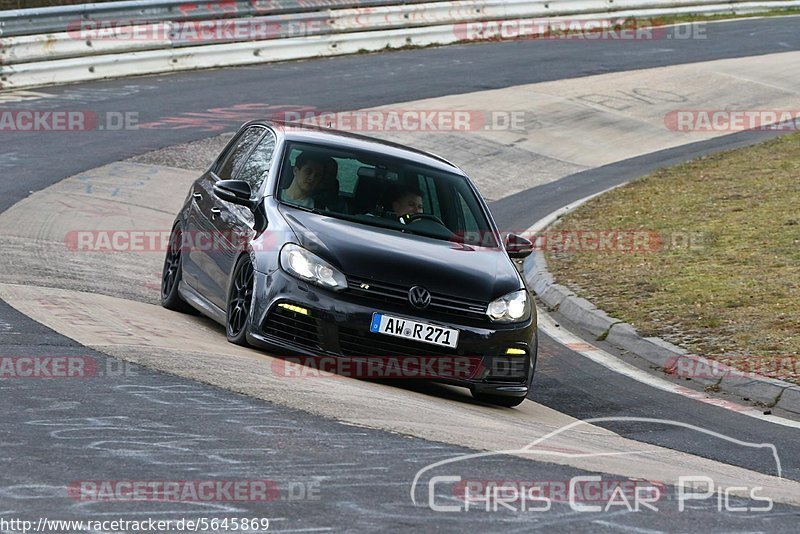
(414, 330)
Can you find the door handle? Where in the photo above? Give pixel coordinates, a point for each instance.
(216, 210)
(198, 196)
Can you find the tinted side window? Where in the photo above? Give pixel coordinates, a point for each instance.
(257, 167)
(474, 232)
(235, 158)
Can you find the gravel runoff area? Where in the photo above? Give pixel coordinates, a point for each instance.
(705, 255)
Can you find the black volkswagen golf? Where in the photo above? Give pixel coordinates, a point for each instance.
(323, 244)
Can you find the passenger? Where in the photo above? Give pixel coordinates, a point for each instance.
(307, 174)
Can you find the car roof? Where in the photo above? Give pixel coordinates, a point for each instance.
(314, 134)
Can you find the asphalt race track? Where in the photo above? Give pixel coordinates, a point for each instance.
(146, 425)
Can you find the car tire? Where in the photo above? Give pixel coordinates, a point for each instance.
(172, 273)
(498, 400)
(240, 301)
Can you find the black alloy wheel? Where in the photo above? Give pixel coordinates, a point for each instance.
(240, 299)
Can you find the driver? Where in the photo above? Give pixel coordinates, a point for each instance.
(406, 201)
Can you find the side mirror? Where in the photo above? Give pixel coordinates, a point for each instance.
(517, 246)
(235, 192)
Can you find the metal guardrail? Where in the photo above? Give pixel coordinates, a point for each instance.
(93, 37)
(87, 46)
(58, 19)
(28, 4)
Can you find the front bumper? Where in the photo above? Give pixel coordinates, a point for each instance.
(315, 322)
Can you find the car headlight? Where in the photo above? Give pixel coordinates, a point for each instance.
(510, 308)
(307, 266)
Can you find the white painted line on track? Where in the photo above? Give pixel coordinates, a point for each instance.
(609, 361)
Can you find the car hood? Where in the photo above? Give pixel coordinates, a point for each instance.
(384, 255)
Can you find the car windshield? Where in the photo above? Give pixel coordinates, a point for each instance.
(375, 190)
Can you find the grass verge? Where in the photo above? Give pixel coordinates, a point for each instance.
(716, 269)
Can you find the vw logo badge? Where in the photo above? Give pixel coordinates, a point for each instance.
(419, 297)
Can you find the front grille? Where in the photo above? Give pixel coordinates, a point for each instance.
(292, 326)
(512, 369)
(396, 294)
(355, 344)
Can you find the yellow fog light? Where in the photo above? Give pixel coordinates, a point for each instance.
(292, 307)
(515, 352)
